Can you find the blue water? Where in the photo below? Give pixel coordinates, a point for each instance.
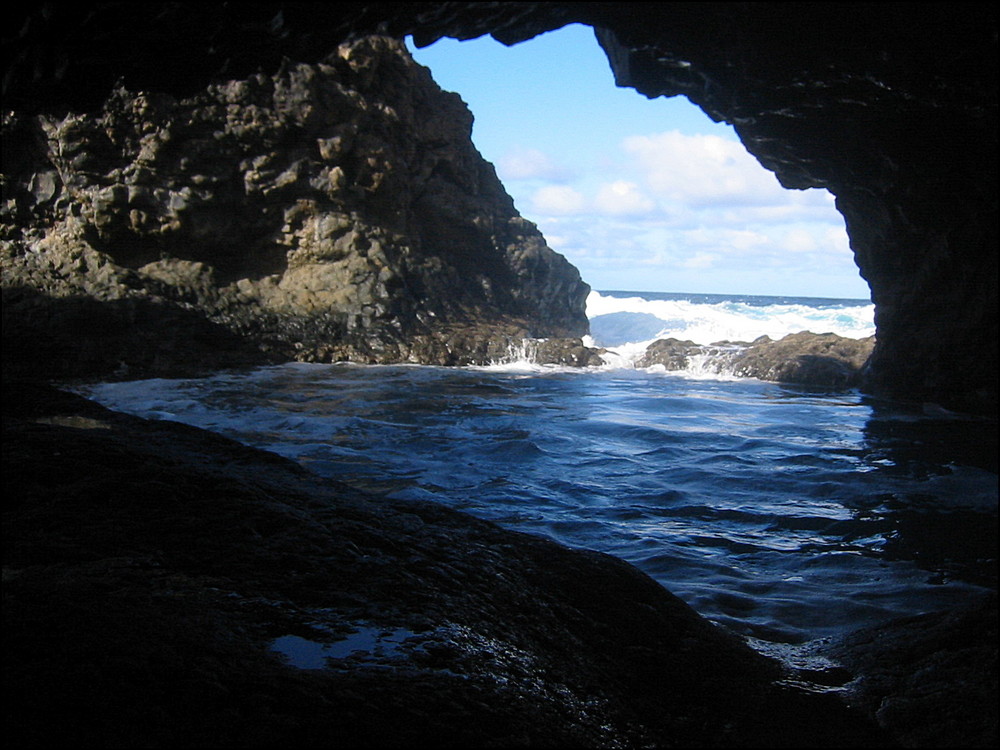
(784, 513)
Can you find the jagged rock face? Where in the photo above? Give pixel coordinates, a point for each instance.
(892, 107)
(333, 210)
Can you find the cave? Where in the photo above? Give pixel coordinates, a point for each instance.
(154, 572)
(891, 107)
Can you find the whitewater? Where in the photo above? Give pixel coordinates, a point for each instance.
(784, 513)
(628, 322)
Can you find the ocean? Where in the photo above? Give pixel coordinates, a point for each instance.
(787, 514)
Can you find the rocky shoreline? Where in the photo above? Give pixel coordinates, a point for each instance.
(804, 358)
(152, 570)
(150, 567)
(334, 208)
(328, 212)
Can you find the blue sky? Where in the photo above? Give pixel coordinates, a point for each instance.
(639, 194)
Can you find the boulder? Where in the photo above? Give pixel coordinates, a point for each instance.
(820, 359)
(673, 354)
(817, 359)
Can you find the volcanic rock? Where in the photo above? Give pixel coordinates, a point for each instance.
(335, 210)
(672, 354)
(930, 680)
(822, 359)
(167, 587)
(805, 358)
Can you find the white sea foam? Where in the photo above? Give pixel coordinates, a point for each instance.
(706, 319)
(625, 324)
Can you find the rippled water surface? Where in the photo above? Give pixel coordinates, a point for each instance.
(785, 514)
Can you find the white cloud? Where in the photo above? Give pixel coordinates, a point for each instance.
(799, 240)
(558, 200)
(686, 213)
(622, 197)
(700, 170)
(699, 260)
(556, 241)
(530, 164)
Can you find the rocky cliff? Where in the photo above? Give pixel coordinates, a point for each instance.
(149, 569)
(891, 106)
(325, 211)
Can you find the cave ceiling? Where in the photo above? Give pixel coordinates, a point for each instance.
(890, 106)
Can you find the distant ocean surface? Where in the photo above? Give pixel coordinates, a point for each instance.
(630, 321)
(785, 513)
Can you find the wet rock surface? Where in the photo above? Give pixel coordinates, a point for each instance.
(167, 587)
(823, 359)
(930, 680)
(815, 359)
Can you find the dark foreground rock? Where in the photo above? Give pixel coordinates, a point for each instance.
(150, 567)
(805, 358)
(930, 680)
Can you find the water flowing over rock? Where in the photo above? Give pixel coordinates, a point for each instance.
(819, 359)
(327, 211)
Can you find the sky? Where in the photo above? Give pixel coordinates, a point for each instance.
(639, 194)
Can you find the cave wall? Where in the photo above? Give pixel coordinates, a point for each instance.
(890, 106)
(324, 212)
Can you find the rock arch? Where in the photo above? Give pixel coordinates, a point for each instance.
(891, 106)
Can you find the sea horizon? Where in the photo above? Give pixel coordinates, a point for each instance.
(728, 295)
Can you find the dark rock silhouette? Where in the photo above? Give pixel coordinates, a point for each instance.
(890, 106)
(148, 568)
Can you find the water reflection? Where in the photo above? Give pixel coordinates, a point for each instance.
(940, 473)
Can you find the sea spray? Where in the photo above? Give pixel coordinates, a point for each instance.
(625, 324)
(627, 317)
(522, 352)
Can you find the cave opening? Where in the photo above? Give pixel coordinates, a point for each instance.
(646, 195)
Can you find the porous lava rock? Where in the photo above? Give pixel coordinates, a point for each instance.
(931, 679)
(804, 358)
(823, 359)
(323, 212)
(670, 353)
